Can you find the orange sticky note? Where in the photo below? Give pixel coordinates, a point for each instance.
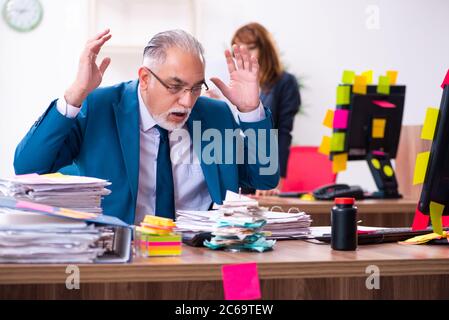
(241, 281)
(369, 76)
(378, 128)
(325, 146)
(339, 162)
(436, 213)
(422, 159)
(359, 85)
(430, 123)
(393, 76)
(329, 119)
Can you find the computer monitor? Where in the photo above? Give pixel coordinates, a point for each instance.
(436, 183)
(373, 132)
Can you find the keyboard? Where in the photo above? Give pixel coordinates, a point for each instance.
(383, 235)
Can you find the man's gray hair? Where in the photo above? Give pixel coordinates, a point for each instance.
(156, 49)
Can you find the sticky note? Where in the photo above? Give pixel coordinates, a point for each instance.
(348, 77)
(446, 80)
(378, 129)
(339, 162)
(420, 221)
(343, 93)
(338, 141)
(359, 85)
(325, 146)
(422, 159)
(341, 119)
(430, 123)
(369, 76)
(436, 212)
(329, 119)
(383, 87)
(393, 76)
(383, 104)
(241, 281)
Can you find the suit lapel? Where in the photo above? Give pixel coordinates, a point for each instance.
(210, 171)
(127, 121)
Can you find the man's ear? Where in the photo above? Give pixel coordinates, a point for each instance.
(143, 78)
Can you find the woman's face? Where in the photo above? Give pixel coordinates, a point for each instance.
(252, 48)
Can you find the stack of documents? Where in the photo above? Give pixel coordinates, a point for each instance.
(58, 190)
(280, 225)
(34, 233)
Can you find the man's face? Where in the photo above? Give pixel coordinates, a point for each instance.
(181, 70)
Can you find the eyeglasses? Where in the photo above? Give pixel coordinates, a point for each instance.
(176, 89)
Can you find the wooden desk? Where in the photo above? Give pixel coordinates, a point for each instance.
(294, 270)
(381, 213)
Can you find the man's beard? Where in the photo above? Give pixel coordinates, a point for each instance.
(162, 118)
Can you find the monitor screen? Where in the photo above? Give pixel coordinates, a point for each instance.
(436, 184)
(364, 110)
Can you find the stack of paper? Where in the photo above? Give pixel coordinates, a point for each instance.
(237, 208)
(27, 237)
(156, 237)
(58, 190)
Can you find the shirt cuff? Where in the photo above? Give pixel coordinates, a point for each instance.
(253, 116)
(66, 109)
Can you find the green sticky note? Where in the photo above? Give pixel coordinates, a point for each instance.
(348, 77)
(338, 141)
(428, 129)
(436, 213)
(343, 93)
(383, 86)
(422, 159)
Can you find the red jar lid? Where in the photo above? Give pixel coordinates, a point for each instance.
(344, 200)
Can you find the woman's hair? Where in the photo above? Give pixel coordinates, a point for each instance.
(270, 65)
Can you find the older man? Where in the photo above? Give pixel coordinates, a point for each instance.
(124, 133)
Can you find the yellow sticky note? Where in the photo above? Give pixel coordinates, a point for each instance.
(325, 146)
(422, 159)
(329, 119)
(338, 141)
(378, 129)
(359, 85)
(339, 162)
(369, 76)
(383, 86)
(428, 129)
(393, 76)
(348, 77)
(436, 213)
(343, 93)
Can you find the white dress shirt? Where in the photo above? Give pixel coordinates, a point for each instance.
(190, 186)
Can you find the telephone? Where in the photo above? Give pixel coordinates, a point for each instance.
(331, 191)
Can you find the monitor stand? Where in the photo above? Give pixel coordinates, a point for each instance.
(380, 166)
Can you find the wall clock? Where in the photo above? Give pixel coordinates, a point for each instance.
(23, 15)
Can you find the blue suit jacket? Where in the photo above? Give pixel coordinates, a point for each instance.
(103, 141)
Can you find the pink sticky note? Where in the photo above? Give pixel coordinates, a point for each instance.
(420, 221)
(378, 153)
(241, 281)
(446, 80)
(445, 221)
(384, 104)
(340, 119)
(34, 206)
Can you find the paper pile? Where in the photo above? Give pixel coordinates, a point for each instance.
(240, 209)
(58, 190)
(156, 237)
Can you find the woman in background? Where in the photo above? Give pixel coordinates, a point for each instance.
(279, 89)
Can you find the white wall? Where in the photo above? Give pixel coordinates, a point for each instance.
(317, 39)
